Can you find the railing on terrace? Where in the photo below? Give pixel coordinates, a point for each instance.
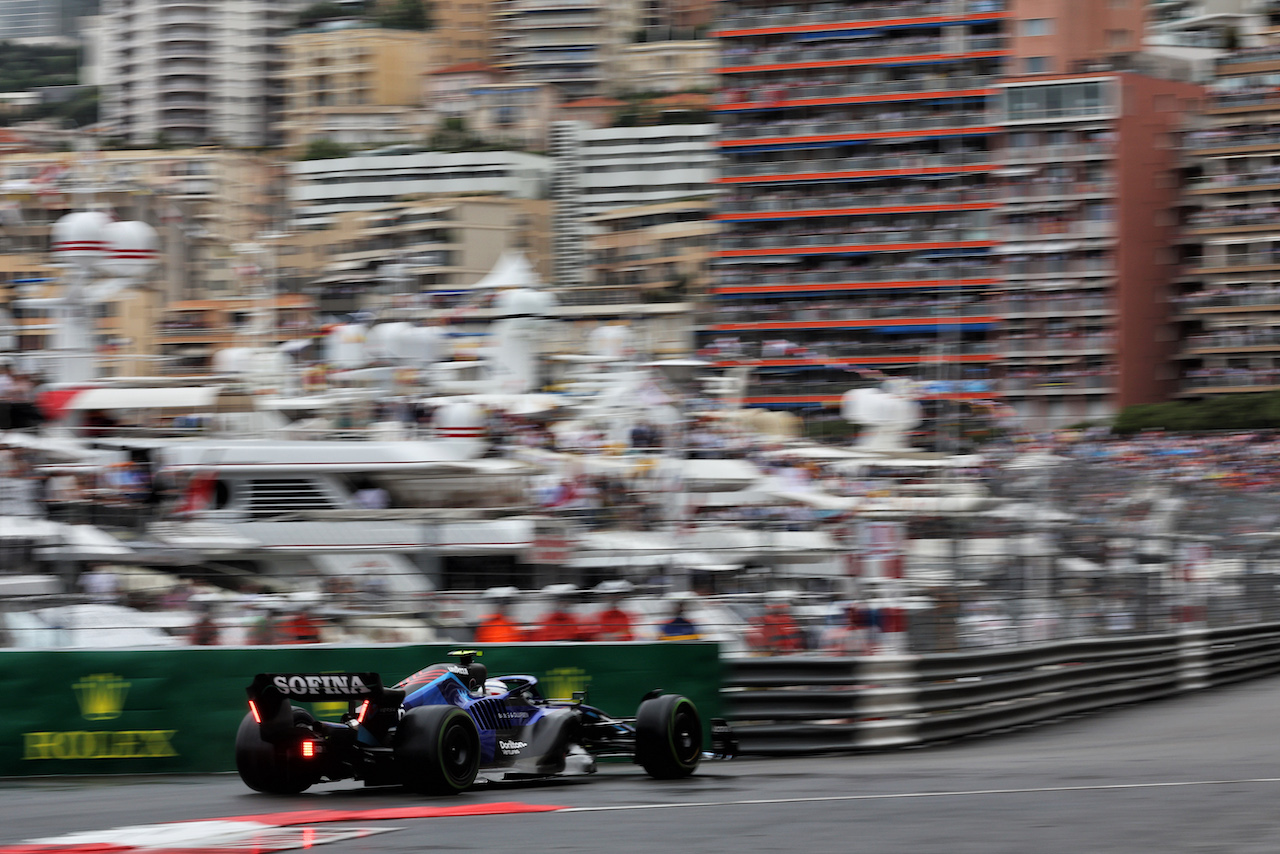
(1238, 298)
(1249, 259)
(870, 201)
(1051, 383)
(742, 20)
(1057, 344)
(898, 161)
(768, 92)
(1229, 138)
(1233, 379)
(855, 126)
(789, 241)
(1052, 153)
(835, 314)
(1228, 340)
(1226, 182)
(905, 48)
(869, 275)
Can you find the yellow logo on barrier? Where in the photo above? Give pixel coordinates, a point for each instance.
(101, 696)
(563, 681)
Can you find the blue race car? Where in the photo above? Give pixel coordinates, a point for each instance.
(448, 725)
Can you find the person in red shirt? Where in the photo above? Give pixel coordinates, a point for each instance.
(776, 632)
(498, 625)
(560, 623)
(299, 627)
(613, 623)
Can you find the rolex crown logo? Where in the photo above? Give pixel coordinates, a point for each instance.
(101, 696)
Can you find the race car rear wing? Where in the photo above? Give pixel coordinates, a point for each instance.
(269, 694)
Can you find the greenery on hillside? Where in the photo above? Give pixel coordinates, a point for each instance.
(1227, 412)
(24, 67)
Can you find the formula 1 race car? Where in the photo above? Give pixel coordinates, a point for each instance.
(448, 725)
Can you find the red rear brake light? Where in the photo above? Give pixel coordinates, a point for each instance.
(364, 710)
(253, 710)
(308, 749)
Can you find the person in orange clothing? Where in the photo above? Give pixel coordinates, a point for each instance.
(498, 626)
(299, 627)
(560, 623)
(613, 623)
(776, 632)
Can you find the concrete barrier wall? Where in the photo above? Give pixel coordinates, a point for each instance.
(803, 705)
(168, 711)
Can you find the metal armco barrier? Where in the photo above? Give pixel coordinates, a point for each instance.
(797, 705)
(167, 711)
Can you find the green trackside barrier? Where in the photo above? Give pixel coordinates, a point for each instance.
(168, 711)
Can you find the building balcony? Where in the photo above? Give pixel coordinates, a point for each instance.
(1235, 183)
(1047, 305)
(735, 21)
(801, 56)
(835, 315)
(1256, 339)
(748, 94)
(907, 126)
(769, 209)
(888, 165)
(1015, 193)
(1228, 380)
(1055, 231)
(1048, 385)
(887, 240)
(759, 281)
(1233, 140)
(1242, 263)
(1056, 345)
(1253, 298)
(1052, 154)
(1242, 102)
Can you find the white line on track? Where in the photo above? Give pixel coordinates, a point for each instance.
(908, 795)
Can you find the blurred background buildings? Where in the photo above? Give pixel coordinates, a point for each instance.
(1065, 206)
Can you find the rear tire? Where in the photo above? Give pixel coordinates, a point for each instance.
(437, 749)
(668, 737)
(272, 768)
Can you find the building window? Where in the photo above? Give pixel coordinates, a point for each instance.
(1035, 64)
(1037, 27)
(1118, 38)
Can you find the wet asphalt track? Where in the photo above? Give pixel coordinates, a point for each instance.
(1198, 773)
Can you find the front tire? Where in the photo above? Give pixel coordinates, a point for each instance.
(668, 737)
(272, 768)
(438, 750)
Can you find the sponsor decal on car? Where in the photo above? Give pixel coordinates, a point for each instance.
(511, 747)
(337, 684)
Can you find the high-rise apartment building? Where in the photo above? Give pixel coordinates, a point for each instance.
(464, 31)
(1229, 300)
(602, 169)
(861, 153)
(969, 193)
(184, 71)
(569, 43)
(354, 84)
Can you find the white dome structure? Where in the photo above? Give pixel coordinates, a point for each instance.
(77, 238)
(131, 249)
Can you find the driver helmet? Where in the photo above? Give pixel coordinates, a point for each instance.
(494, 687)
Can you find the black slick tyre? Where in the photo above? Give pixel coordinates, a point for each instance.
(272, 768)
(437, 749)
(668, 737)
